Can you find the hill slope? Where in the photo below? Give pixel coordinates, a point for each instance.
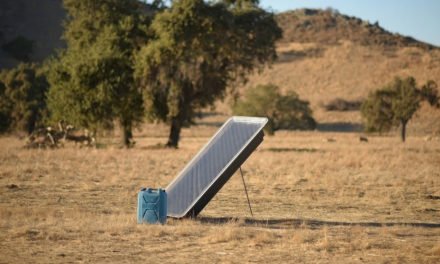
(38, 21)
(324, 55)
(329, 27)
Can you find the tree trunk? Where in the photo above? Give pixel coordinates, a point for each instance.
(30, 125)
(127, 134)
(176, 126)
(403, 131)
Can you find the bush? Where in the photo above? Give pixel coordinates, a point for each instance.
(22, 98)
(19, 48)
(284, 111)
(396, 103)
(340, 104)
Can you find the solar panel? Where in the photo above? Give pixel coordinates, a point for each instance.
(212, 167)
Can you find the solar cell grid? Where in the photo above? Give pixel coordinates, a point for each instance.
(207, 172)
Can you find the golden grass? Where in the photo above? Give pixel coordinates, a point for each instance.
(350, 71)
(313, 200)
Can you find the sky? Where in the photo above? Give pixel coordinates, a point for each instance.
(419, 19)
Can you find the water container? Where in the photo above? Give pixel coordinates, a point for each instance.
(152, 206)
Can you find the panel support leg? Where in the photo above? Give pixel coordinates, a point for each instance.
(247, 196)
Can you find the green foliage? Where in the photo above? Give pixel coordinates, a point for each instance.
(199, 48)
(5, 106)
(396, 104)
(19, 48)
(22, 98)
(406, 100)
(259, 101)
(92, 82)
(429, 92)
(377, 111)
(284, 111)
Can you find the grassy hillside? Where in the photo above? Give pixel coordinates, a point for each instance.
(350, 71)
(323, 55)
(336, 56)
(329, 27)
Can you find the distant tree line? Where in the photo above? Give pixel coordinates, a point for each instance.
(127, 60)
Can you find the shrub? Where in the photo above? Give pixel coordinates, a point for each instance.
(284, 111)
(340, 104)
(22, 98)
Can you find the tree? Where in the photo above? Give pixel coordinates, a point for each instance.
(429, 92)
(284, 111)
(396, 104)
(22, 98)
(92, 82)
(200, 48)
(377, 111)
(5, 106)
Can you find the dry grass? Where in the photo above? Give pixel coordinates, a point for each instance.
(350, 71)
(314, 201)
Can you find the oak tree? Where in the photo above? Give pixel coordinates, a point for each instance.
(92, 82)
(198, 50)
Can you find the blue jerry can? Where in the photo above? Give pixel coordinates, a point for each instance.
(152, 206)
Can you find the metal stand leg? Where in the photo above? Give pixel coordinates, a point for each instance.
(247, 196)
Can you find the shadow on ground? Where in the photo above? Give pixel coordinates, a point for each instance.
(310, 223)
(210, 123)
(310, 150)
(322, 127)
(339, 127)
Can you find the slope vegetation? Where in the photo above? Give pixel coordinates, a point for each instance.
(325, 55)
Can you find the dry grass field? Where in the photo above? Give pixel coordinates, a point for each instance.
(317, 197)
(314, 200)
